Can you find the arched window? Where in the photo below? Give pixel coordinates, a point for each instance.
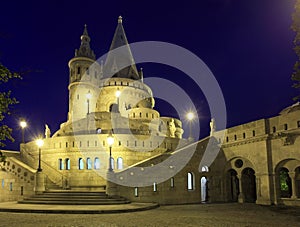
(80, 163)
(155, 187)
(120, 163)
(97, 163)
(190, 181)
(60, 164)
(88, 163)
(204, 169)
(172, 183)
(68, 164)
(112, 162)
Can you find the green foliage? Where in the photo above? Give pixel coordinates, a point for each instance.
(6, 101)
(296, 28)
(283, 178)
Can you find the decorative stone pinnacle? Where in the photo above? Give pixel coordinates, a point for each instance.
(120, 20)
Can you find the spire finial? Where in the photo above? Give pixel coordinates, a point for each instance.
(85, 30)
(120, 19)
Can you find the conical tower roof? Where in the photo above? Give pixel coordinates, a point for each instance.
(85, 49)
(114, 62)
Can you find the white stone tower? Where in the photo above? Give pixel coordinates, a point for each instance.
(84, 80)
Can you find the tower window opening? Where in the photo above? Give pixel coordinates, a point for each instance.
(136, 192)
(60, 164)
(274, 129)
(78, 70)
(285, 126)
(87, 71)
(67, 161)
(235, 137)
(77, 96)
(298, 124)
(253, 133)
(244, 135)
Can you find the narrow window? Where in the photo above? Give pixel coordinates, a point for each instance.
(135, 143)
(80, 144)
(227, 139)
(60, 164)
(73, 144)
(274, 129)
(67, 161)
(66, 144)
(244, 135)
(80, 163)
(172, 182)
(120, 143)
(120, 163)
(155, 187)
(147, 115)
(190, 181)
(285, 126)
(10, 186)
(78, 70)
(97, 163)
(235, 137)
(3, 183)
(88, 163)
(136, 192)
(77, 96)
(87, 71)
(112, 162)
(298, 124)
(133, 115)
(127, 143)
(140, 114)
(88, 143)
(22, 190)
(253, 133)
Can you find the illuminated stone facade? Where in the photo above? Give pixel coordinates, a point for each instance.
(258, 161)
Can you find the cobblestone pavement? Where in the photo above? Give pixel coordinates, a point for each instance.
(179, 215)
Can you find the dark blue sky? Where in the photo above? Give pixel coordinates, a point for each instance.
(247, 44)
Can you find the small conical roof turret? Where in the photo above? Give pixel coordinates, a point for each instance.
(85, 49)
(123, 57)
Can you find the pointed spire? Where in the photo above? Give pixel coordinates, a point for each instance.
(124, 58)
(120, 20)
(85, 49)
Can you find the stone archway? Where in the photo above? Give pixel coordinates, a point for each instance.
(285, 183)
(249, 185)
(232, 182)
(297, 181)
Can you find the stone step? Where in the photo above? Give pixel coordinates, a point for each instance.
(74, 202)
(65, 197)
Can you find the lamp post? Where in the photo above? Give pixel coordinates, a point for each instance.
(190, 117)
(110, 142)
(39, 143)
(118, 93)
(23, 125)
(88, 97)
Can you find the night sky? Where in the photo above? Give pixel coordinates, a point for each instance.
(247, 44)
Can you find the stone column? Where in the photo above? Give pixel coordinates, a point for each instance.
(293, 181)
(39, 182)
(241, 194)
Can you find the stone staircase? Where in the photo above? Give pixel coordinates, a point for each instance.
(68, 197)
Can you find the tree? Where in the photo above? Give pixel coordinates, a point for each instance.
(6, 102)
(296, 28)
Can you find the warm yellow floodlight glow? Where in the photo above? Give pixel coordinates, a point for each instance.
(118, 93)
(88, 96)
(110, 140)
(23, 124)
(190, 116)
(39, 142)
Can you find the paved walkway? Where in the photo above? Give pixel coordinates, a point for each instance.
(179, 215)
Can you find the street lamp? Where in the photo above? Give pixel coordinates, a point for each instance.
(88, 97)
(39, 143)
(110, 142)
(190, 117)
(118, 93)
(23, 125)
